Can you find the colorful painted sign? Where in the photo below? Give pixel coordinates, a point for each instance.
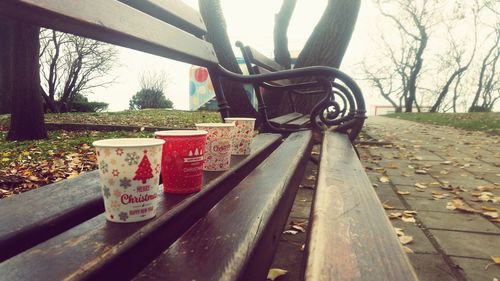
(201, 89)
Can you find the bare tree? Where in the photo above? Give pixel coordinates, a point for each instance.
(281, 22)
(453, 58)
(414, 21)
(72, 65)
(387, 86)
(488, 87)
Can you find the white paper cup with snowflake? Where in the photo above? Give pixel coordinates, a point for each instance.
(129, 172)
(218, 146)
(243, 134)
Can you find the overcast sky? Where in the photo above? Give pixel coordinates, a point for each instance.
(252, 23)
(249, 21)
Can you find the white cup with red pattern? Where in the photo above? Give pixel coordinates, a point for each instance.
(243, 134)
(129, 172)
(218, 146)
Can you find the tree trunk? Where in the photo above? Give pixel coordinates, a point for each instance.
(281, 22)
(27, 121)
(6, 27)
(211, 12)
(328, 42)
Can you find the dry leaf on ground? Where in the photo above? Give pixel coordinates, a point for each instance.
(274, 273)
(421, 172)
(403, 192)
(491, 215)
(408, 250)
(387, 206)
(394, 215)
(405, 239)
(384, 179)
(420, 185)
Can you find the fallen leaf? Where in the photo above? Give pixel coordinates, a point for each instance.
(405, 174)
(405, 239)
(421, 172)
(408, 219)
(420, 185)
(496, 259)
(387, 206)
(450, 206)
(489, 209)
(299, 228)
(409, 213)
(403, 192)
(491, 215)
(445, 163)
(394, 215)
(292, 232)
(384, 179)
(274, 273)
(399, 231)
(407, 250)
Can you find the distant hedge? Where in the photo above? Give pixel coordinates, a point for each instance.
(92, 106)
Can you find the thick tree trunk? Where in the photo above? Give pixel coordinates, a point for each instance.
(281, 22)
(216, 26)
(27, 121)
(6, 27)
(328, 42)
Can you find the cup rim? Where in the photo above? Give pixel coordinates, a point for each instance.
(214, 125)
(180, 133)
(128, 142)
(239, 119)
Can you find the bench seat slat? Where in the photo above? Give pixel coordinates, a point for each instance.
(350, 237)
(299, 122)
(113, 22)
(280, 120)
(44, 212)
(174, 12)
(237, 238)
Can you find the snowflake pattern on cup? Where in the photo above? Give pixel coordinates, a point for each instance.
(127, 200)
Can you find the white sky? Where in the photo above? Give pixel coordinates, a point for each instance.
(249, 21)
(252, 23)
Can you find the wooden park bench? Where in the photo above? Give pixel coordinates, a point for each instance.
(229, 230)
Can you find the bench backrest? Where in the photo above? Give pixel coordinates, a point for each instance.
(258, 63)
(167, 28)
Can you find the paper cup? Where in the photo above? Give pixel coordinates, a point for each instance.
(182, 160)
(218, 147)
(129, 172)
(243, 134)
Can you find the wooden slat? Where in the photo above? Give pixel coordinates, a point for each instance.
(101, 250)
(263, 61)
(113, 22)
(37, 215)
(237, 238)
(174, 12)
(299, 122)
(280, 120)
(350, 237)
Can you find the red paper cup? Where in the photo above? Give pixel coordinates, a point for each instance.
(182, 160)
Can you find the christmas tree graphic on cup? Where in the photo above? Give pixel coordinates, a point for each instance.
(144, 171)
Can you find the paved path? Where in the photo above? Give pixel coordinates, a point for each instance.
(425, 168)
(454, 165)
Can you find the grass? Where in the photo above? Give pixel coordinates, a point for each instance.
(149, 117)
(29, 164)
(488, 122)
